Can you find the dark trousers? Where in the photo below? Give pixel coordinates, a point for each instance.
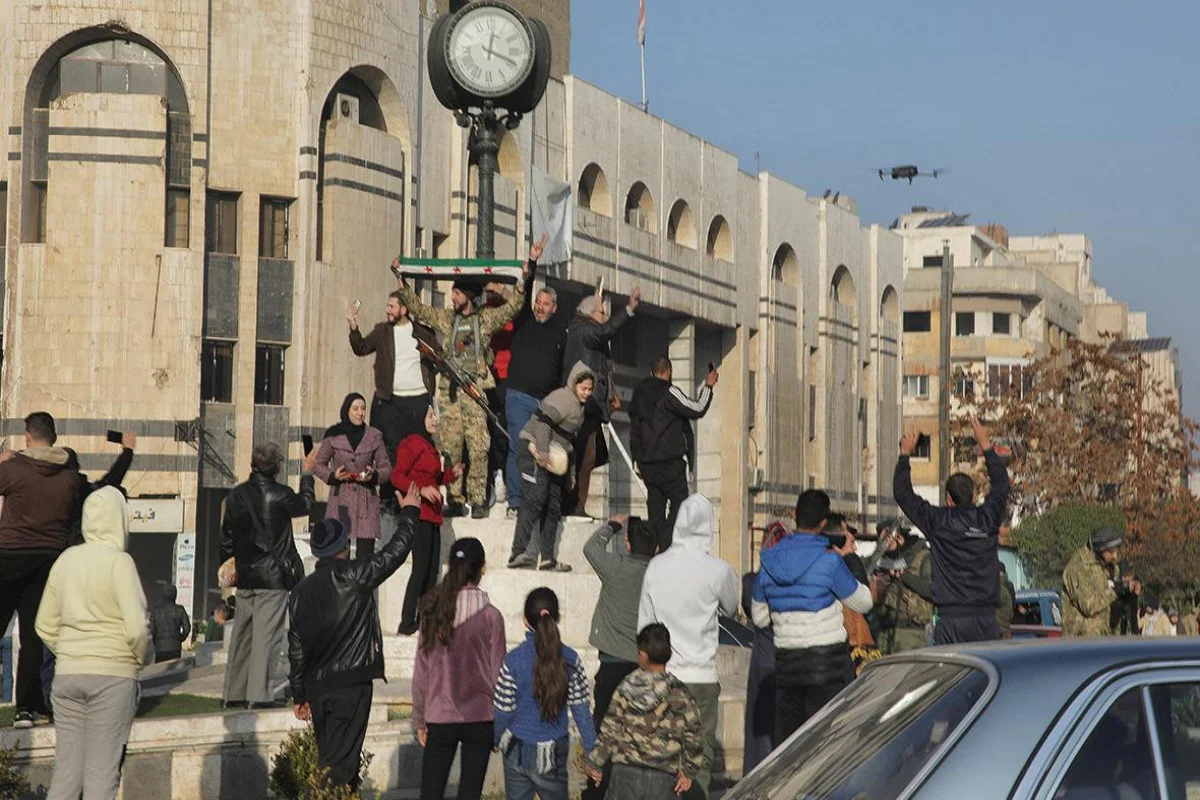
(795, 705)
(666, 483)
(396, 418)
(498, 453)
(608, 678)
(364, 548)
(340, 722)
(22, 581)
(640, 783)
(589, 447)
(958, 630)
(166, 655)
(440, 746)
(426, 558)
(541, 507)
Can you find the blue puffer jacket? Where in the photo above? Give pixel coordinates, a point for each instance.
(801, 573)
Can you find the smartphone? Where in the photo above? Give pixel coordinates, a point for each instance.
(922, 441)
(308, 443)
(115, 437)
(712, 367)
(836, 540)
(357, 304)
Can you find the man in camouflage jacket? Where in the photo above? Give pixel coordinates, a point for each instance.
(652, 731)
(1092, 583)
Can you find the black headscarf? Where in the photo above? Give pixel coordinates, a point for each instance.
(354, 433)
(422, 431)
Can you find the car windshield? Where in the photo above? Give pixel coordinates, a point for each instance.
(874, 739)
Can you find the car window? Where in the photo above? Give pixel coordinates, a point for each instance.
(1115, 762)
(1177, 719)
(1027, 612)
(876, 736)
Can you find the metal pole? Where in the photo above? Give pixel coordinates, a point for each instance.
(645, 101)
(946, 316)
(486, 150)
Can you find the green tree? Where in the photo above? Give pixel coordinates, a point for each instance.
(1046, 542)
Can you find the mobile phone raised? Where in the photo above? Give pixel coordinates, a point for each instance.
(116, 437)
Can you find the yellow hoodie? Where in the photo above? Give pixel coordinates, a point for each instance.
(93, 612)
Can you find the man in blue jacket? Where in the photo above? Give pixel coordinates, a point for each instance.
(964, 541)
(801, 587)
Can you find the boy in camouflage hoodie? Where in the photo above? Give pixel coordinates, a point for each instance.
(652, 731)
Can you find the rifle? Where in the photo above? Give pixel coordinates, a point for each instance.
(464, 383)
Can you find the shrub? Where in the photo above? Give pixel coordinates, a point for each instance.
(1046, 542)
(12, 783)
(294, 773)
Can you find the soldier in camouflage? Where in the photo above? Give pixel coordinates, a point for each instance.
(1092, 583)
(907, 608)
(652, 731)
(466, 332)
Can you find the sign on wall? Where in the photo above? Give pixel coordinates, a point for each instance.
(185, 569)
(155, 516)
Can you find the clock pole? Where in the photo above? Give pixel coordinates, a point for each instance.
(485, 151)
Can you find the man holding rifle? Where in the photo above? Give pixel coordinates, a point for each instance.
(466, 332)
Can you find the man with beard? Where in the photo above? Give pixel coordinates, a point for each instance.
(466, 332)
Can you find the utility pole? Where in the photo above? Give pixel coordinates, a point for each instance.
(945, 318)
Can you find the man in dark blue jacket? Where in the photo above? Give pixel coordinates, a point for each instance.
(964, 540)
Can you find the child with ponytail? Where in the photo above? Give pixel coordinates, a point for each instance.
(539, 682)
(460, 650)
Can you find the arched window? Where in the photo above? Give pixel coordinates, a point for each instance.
(593, 191)
(889, 307)
(92, 63)
(720, 240)
(639, 208)
(681, 227)
(842, 288)
(785, 267)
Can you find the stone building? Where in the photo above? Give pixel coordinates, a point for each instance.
(1015, 299)
(194, 191)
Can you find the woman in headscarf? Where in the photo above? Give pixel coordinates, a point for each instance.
(353, 460)
(760, 683)
(419, 461)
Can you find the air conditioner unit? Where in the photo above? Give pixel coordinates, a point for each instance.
(345, 106)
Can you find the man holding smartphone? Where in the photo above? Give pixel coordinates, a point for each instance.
(663, 443)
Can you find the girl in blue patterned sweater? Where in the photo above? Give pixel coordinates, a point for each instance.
(539, 681)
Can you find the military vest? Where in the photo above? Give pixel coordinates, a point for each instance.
(908, 608)
(469, 352)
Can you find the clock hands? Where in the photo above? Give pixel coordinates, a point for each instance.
(500, 55)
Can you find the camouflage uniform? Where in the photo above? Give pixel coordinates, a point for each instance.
(906, 613)
(653, 723)
(1088, 595)
(465, 341)
(1004, 610)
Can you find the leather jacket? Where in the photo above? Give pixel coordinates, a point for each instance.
(335, 640)
(266, 559)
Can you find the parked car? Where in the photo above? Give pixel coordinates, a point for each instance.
(1090, 718)
(1037, 614)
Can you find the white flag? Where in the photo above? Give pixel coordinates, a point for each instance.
(553, 216)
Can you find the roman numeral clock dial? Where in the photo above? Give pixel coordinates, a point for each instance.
(490, 51)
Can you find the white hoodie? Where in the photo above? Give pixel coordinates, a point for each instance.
(685, 588)
(93, 612)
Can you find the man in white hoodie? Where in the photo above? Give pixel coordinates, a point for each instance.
(685, 589)
(93, 618)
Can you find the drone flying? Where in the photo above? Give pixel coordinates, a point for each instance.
(908, 172)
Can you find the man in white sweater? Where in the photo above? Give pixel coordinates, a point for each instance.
(800, 590)
(685, 588)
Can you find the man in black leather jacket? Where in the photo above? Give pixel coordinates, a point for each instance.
(257, 533)
(335, 645)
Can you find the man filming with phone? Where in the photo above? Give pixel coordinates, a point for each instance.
(663, 442)
(964, 540)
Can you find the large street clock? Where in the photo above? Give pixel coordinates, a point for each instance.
(488, 55)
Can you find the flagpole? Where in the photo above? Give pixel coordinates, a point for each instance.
(642, 47)
(645, 102)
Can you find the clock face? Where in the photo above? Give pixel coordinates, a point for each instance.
(490, 51)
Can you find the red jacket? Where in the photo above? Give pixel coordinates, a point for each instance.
(418, 461)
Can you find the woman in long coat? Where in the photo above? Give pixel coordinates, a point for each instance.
(354, 462)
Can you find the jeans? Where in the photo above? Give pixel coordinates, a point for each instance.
(640, 783)
(608, 678)
(22, 581)
(666, 483)
(521, 777)
(541, 508)
(442, 743)
(518, 408)
(6, 661)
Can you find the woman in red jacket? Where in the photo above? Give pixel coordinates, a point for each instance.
(418, 461)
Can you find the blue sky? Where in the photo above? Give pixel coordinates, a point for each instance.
(1054, 115)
